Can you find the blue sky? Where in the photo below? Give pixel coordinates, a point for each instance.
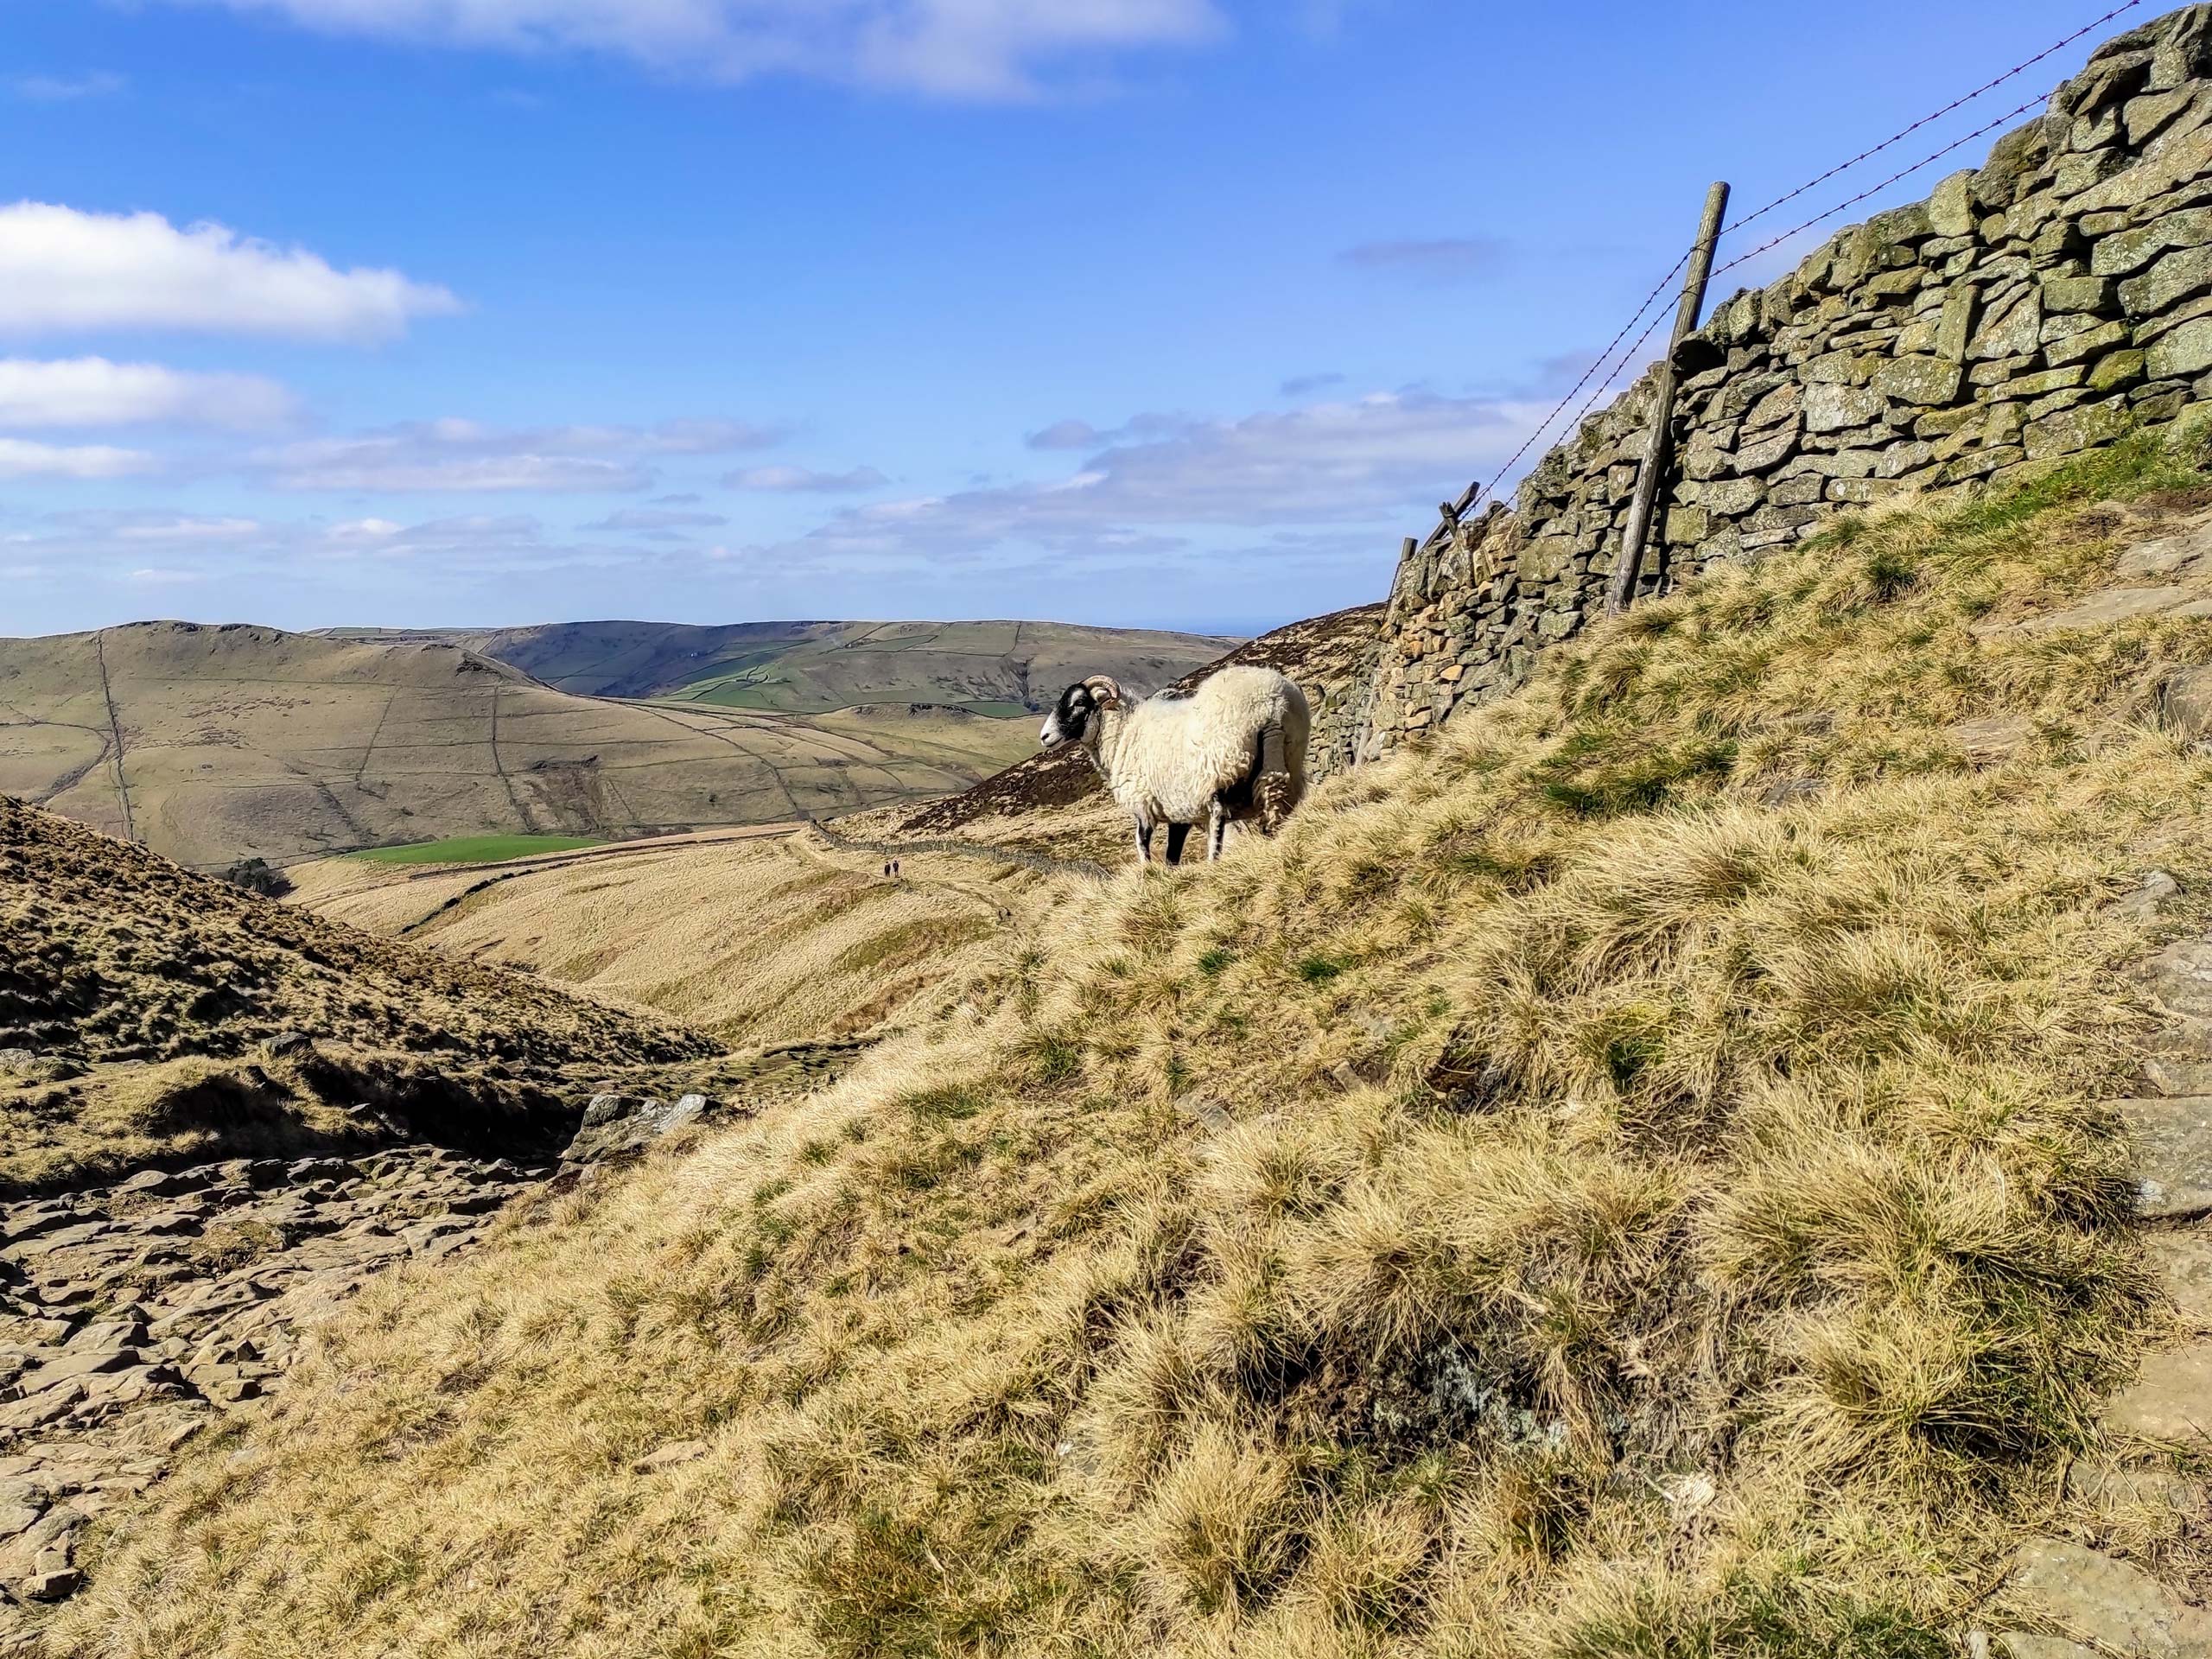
(1159, 312)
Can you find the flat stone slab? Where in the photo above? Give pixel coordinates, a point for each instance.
(2165, 1074)
(2183, 1264)
(2156, 1486)
(2017, 1646)
(2113, 605)
(74, 1363)
(2172, 1136)
(2180, 977)
(2170, 1399)
(2111, 1602)
(2181, 554)
(1990, 738)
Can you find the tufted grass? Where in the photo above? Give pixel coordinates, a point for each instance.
(1626, 1179)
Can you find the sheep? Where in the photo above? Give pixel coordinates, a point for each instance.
(1232, 750)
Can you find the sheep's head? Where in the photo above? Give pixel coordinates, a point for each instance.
(1074, 718)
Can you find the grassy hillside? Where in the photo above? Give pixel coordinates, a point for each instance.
(755, 942)
(137, 1001)
(211, 744)
(1626, 1179)
(1000, 669)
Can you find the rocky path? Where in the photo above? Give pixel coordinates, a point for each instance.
(134, 1315)
(2077, 1593)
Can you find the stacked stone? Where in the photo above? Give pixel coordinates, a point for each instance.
(134, 1315)
(2046, 304)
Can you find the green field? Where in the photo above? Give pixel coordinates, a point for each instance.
(477, 850)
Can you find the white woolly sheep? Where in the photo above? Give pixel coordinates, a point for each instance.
(1233, 751)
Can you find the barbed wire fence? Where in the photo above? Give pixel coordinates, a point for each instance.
(1610, 362)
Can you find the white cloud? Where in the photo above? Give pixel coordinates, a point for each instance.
(67, 89)
(20, 458)
(67, 272)
(1353, 469)
(969, 49)
(802, 480)
(367, 531)
(467, 456)
(93, 392)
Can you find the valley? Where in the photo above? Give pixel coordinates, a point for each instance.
(1065, 1215)
(215, 744)
(1694, 1141)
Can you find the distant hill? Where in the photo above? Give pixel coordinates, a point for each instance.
(214, 743)
(989, 668)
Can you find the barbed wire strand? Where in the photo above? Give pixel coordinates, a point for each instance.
(1903, 133)
(1876, 189)
(1506, 468)
(1529, 443)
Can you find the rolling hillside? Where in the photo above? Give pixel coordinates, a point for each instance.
(1638, 1174)
(214, 743)
(990, 668)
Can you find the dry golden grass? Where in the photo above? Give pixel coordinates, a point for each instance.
(755, 942)
(1549, 1202)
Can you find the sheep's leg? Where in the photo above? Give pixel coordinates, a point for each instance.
(1177, 835)
(1143, 828)
(1270, 786)
(1216, 829)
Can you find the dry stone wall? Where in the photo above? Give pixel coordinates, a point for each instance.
(2047, 304)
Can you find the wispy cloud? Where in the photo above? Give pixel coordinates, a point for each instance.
(468, 457)
(1082, 435)
(67, 89)
(64, 271)
(1344, 469)
(92, 391)
(1443, 262)
(20, 458)
(658, 518)
(803, 481)
(956, 49)
(1302, 385)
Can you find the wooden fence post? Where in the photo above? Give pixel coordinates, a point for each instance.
(1657, 439)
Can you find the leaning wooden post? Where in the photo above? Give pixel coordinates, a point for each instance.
(1657, 438)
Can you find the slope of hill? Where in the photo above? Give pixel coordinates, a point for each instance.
(1624, 1176)
(137, 1000)
(755, 941)
(211, 744)
(999, 668)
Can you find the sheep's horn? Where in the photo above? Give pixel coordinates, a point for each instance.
(1105, 687)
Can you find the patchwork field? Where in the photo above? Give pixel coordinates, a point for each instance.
(214, 744)
(475, 849)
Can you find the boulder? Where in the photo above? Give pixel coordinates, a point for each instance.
(620, 1125)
